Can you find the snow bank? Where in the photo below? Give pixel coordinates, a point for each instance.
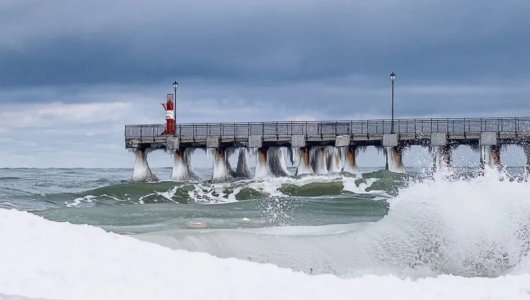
(44, 259)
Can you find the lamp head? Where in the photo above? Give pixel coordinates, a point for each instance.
(175, 84)
(392, 76)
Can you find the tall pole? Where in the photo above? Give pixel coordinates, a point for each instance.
(392, 126)
(392, 78)
(175, 85)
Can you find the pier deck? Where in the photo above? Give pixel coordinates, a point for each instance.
(366, 133)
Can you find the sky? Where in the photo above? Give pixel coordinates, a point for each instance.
(73, 73)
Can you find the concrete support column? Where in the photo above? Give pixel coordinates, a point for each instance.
(304, 163)
(490, 156)
(333, 161)
(242, 169)
(441, 149)
(141, 171)
(276, 162)
(490, 152)
(394, 159)
(182, 170)
(262, 168)
(318, 160)
(526, 149)
(442, 157)
(221, 169)
(349, 159)
(393, 153)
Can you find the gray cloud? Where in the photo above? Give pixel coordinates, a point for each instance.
(245, 61)
(71, 42)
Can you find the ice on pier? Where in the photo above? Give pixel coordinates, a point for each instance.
(141, 171)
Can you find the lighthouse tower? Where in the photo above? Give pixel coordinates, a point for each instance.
(169, 106)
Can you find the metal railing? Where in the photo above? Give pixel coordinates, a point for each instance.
(326, 128)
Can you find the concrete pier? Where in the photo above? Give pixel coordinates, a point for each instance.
(322, 147)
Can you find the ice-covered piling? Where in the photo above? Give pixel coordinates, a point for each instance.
(142, 172)
(442, 156)
(221, 168)
(271, 162)
(349, 160)
(394, 159)
(262, 168)
(318, 160)
(304, 162)
(526, 149)
(242, 169)
(276, 162)
(182, 170)
(334, 163)
(490, 156)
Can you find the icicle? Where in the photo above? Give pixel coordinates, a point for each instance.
(221, 171)
(394, 161)
(242, 170)
(318, 160)
(333, 161)
(142, 172)
(349, 160)
(276, 162)
(304, 162)
(182, 170)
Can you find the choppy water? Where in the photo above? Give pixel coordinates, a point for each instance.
(377, 222)
(106, 197)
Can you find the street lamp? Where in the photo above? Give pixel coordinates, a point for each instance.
(392, 78)
(175, 85)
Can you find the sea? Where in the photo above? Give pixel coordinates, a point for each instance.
(95, 234)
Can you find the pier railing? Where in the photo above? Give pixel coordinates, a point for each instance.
(320, 128)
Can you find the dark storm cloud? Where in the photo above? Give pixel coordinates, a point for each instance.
(144, 42)
(77, 71)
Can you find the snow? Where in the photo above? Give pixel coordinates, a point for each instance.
(45, 259)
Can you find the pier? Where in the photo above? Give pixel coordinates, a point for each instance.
(320, 147)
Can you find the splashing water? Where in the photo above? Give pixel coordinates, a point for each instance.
(467, 227)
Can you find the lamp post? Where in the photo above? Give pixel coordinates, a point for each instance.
(392, 78)
(175, 85)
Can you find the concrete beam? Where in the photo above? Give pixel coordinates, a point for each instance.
(172, 143)
(297, 141)
(255, 141)
(212, 142)
(390, 140)
(438, 139)
(488, 139)
(342, 141)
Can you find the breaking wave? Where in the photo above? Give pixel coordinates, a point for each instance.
(444, 225)
(381, 182)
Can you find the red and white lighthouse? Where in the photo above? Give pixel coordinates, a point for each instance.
(169, 106)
